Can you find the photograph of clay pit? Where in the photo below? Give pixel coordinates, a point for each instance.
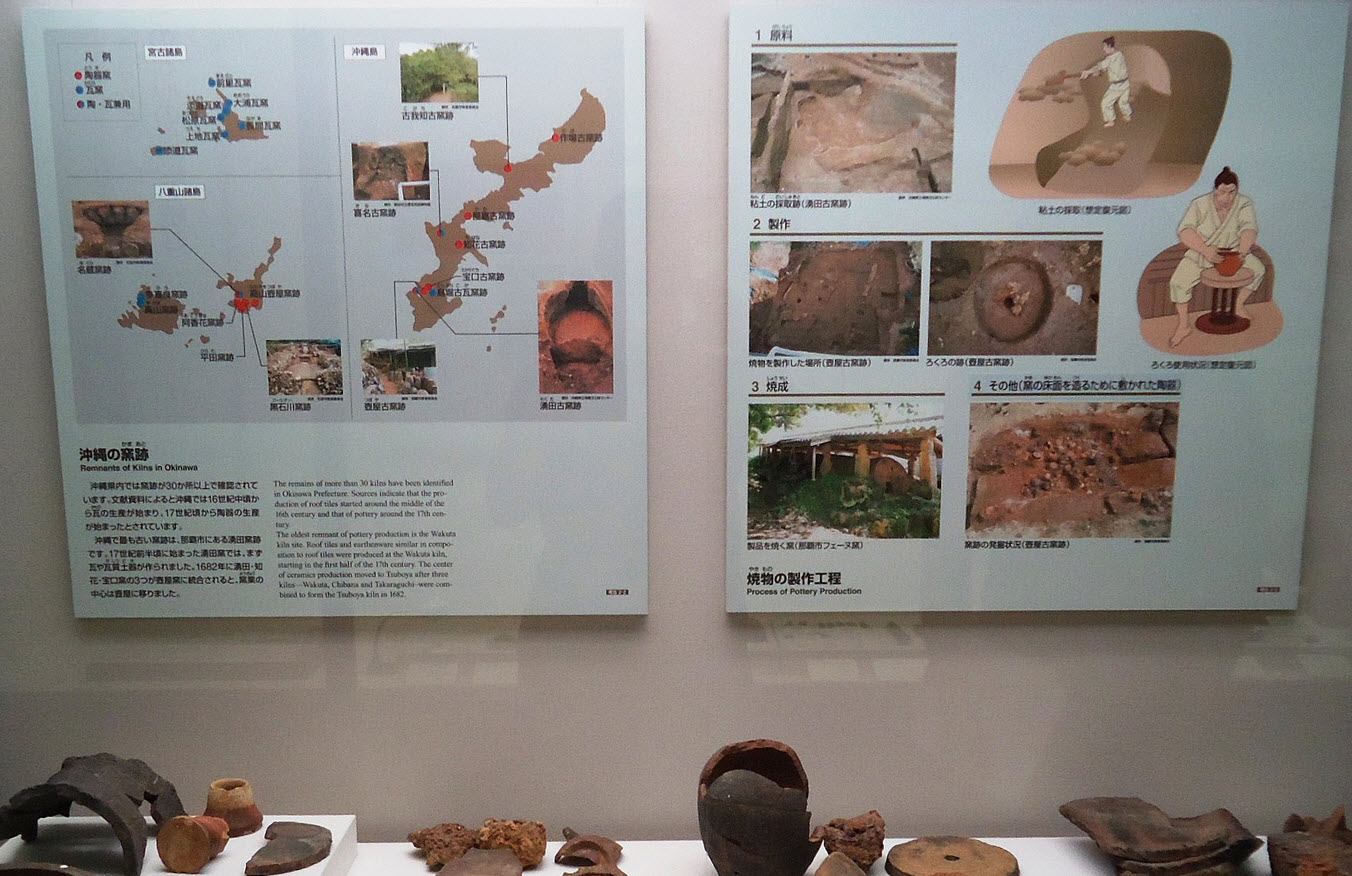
(1053, 142)
(1214, 331)
(835, 299)
(390, 172)
(1014, 297)
(112, 229)
(398, 367)
(577, 337)
(305, 367)
(852, 122)
(1076, 470)
(844, 471)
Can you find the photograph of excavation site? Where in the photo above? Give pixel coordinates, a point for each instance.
(396, 366)
(1014, 297)
(835, 299)
(852, 122)
(844, 471)
(1073, 470)
(390, 172)
(305, 367)
(577, 337)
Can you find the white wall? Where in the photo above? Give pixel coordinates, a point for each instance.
(975, 725)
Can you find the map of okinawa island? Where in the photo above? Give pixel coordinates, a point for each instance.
(570, 143)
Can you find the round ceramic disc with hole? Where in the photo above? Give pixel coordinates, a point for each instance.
(950, 856)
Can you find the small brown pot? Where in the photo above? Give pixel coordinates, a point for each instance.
(186, 843)
(233, 801)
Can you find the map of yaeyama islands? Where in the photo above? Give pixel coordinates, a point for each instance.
(346, 304)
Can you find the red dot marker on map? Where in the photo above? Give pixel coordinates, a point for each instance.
(256, 302)
(507, 168)
(425, 290)
(459, 244)
(79, 75)
(556, 137)
(469, 215)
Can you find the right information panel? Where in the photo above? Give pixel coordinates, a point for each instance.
(1024, 302)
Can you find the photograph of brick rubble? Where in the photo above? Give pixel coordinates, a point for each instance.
(844, 471)
(1134, 118)
(313, 367)
(852, 122)
(577, 337)
(1075, 470)
(1014, 297)
(398, 367)
(842, 299)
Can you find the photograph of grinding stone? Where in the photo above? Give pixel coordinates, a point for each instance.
(1072, 470)
(1014, 297)
(752, 809)
(852, 122)
(1140, 126)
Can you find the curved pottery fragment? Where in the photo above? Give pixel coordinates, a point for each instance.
(111, 786)
(753, 814)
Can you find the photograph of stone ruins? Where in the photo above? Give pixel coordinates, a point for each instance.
(1014, 297)
(1065, 135)
(852, 122)
(839, 299)
(1075, 470)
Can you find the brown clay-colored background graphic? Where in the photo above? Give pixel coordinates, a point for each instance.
(1052, 142)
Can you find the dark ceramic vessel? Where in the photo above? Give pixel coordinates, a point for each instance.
(753, 814)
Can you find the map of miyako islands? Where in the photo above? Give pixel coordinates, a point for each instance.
(1129, 114)
(571, 142)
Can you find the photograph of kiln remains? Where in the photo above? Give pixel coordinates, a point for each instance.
(577, 337)
(1072, 470)
(852, 122)
(1129, 114)
(844, 471)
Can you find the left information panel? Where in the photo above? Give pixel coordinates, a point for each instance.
(347, 308)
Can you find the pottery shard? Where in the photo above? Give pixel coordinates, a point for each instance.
(839, 864)
(593, 855)
(526, 839)
(1308, 854)
(860, 838)
(950, 856)
(443, 843)
(484, 862)
(291, 845)
(1141, 838)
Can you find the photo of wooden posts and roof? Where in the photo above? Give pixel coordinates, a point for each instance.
(844, 471)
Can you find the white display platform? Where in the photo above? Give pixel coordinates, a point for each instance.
(88, 842)
(1038, 856)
